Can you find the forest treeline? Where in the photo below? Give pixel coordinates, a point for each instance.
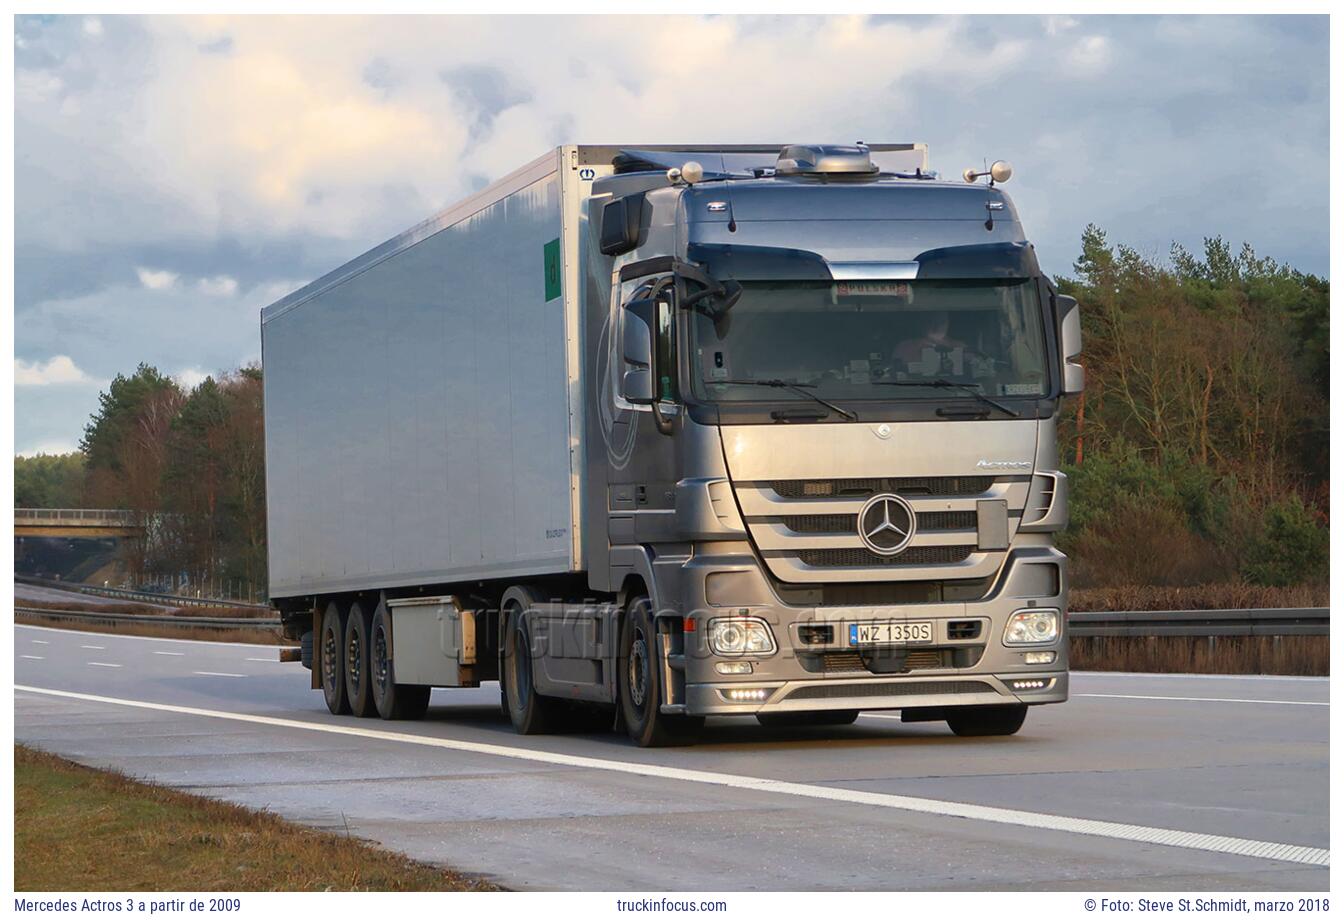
(1198, 454)
(189, 462)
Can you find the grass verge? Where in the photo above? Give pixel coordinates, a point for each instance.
(1297, 655)
(80, 829)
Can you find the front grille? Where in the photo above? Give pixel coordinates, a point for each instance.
(834, 662)
(831, 691)
(862, 558)
(928, 658)
(909, 485)
(890, 659)
(848, 523)
(963, 629)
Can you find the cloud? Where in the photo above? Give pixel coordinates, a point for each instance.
(57, 370)
(265, 151)
(218, 286)
(49, 448)
(190, 378)
(93, 26)
(156, 279)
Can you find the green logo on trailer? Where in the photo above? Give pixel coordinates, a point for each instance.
(551, 267)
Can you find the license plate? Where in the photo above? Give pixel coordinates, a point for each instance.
(890, 633)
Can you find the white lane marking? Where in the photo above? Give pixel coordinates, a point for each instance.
(39, 642)
(267, 660)
(101, 648)
(101, 664)
(175, 654)
(33, 657)
(217, 674)
(1262, 849)
(1197, 699)
(81, 632)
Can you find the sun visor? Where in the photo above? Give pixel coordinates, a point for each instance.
(983, 260)
(758, 263)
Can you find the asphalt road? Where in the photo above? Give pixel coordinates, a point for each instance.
(1077, 800)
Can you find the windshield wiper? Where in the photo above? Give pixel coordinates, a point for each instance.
(941, 384)
(795, 387)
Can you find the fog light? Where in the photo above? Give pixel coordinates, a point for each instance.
(1040, 657)
(747, 694)
(733, 667)
(1033, 684)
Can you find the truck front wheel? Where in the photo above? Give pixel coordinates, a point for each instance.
(640, 683)
(530, 713)
(974, 721)
(332, 642)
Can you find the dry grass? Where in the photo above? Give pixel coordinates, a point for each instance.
(79, 829)
(91, 607)
(261, 635)
(1301, 655)
(1227, 596)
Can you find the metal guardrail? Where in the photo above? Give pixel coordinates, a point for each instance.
(167, 600)
(115, 516)
(111, 619)
(1203, 624)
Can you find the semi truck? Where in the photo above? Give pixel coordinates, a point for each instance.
(650, 434)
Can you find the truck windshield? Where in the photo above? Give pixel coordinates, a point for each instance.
(853, 340)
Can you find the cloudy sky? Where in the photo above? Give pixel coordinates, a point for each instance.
(176, 174)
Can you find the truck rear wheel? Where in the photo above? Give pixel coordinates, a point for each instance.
(530, 713)
(332, 640)
(391, 699)
(977, 721)
(795, 719)
(640, 683)
(358, 624)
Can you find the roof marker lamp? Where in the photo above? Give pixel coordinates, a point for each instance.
(999, 171)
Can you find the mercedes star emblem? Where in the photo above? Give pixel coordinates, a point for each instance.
(886, 524)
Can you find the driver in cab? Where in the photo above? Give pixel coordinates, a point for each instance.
(932, 351)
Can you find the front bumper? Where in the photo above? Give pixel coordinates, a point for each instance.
(952, 670)
(874, 692)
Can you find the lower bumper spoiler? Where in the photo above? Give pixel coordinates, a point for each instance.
(714, 699)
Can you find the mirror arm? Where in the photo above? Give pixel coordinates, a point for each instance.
(663, 424)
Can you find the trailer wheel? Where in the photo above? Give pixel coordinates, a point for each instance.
(640, 683)
(306, 650)
(798, 719)
(358, 625)
(392, 700)
(530, 713)
(975, 721)
(333, 671)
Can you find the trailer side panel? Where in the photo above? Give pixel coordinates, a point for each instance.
(416, 406)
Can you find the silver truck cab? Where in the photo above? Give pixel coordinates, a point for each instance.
(828, 398)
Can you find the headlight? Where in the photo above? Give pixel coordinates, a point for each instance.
(741, 636)
(1031, 627)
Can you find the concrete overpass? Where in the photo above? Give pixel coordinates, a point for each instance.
(76, 522)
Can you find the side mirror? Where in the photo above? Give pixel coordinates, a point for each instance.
(637, 351)
(620, 224)
(1070, 344)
